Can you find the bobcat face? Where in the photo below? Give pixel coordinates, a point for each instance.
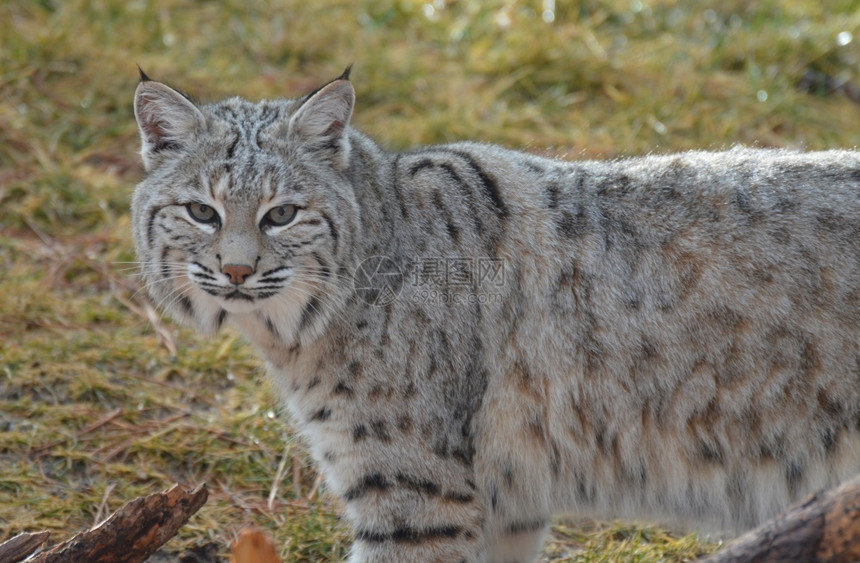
(240, 248)
(228, 220)
(237, 276)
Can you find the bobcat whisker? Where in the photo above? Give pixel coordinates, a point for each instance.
(175, 296)
(143, 269)
(151, 283)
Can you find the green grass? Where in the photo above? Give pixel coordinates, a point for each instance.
(100, 403)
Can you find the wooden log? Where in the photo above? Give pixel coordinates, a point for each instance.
(18, 548)
(132, 533)
(823, 528)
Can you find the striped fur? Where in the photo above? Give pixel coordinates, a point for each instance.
(670, 337)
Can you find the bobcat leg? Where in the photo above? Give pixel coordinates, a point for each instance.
(519, 542)
(412, 519)
(435, 546)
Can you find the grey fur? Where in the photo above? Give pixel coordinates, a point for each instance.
(670, 337)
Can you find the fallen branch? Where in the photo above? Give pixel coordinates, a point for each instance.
(22, 545)
(132, 533)
(824, 527)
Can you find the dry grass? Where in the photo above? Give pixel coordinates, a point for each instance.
(100, 401)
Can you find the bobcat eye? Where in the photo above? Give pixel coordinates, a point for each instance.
(279, 216)
(202, 213)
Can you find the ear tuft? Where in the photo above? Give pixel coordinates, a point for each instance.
(167, 120)
(345, 75)
(143, 76)
(320, 123)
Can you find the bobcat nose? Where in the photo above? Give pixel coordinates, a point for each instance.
(238, 273)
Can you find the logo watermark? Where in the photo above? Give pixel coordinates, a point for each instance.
(450, 297)
(379, 280)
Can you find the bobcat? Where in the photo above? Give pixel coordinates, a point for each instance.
(471, 339)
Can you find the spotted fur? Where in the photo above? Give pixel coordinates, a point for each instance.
(670, 337)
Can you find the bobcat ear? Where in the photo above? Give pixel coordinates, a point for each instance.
(167, 120)
(321, 121)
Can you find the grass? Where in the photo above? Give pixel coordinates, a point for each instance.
(100, 401)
